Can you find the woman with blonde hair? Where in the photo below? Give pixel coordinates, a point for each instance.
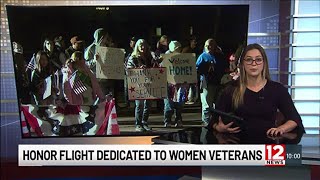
(141, 58)
(256, 98)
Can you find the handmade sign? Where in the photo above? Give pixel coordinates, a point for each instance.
(148, 83)
(110, 63)
(181, 67)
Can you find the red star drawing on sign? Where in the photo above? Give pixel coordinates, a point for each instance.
(161, 71)
(132, 89)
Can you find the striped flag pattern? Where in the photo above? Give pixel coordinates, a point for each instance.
(31, 120)
(113, 127)
(25, 130)
(110, 124)
(77, 85)
(105, 121)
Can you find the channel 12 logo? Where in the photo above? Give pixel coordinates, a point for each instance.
(275, 155)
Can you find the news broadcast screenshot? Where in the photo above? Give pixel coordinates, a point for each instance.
(178, 90)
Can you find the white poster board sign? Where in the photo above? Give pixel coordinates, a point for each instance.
(47, 87)
(181, 67)
(110, 63)
(148, 83)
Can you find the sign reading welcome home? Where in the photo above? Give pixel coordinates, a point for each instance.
(181, 68)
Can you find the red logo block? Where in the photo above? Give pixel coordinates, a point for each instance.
(275, 155)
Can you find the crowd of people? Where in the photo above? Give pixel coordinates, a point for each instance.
(71, 75)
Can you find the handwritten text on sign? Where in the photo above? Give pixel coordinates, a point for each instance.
(110, 63)
(181, 68)
(149, 83)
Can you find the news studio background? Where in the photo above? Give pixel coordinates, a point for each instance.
(267, 26)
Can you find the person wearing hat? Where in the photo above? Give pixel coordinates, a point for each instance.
(174, 47)
(101, 38)
(176, 94)
(76, 45)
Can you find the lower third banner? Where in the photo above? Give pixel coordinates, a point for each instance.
(159, 155)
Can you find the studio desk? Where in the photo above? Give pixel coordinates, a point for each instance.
(310, 144)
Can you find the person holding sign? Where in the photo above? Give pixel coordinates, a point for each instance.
(256, 98)
(210, 66)
(176, 94)
(141, 58)
(43, 87)
(101, 38)
(42, 78)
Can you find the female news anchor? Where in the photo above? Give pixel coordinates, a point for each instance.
(256, 98)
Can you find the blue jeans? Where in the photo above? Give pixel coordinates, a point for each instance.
(208, 99)
(142, 111)
(169, 108)
(193, 93)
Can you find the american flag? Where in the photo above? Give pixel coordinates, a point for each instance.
(31, 64)
(77, 85)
